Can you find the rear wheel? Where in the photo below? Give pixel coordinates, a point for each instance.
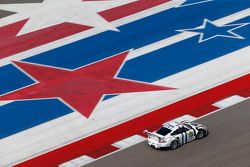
(200, 134)
(174, 145)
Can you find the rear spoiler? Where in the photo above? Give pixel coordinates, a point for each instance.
(153, 134)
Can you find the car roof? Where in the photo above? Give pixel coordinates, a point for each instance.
(172, 125)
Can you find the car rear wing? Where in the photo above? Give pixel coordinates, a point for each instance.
(151, 134)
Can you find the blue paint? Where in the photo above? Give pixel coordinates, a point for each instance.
(196, 2)
(11, 79)
(18, 116)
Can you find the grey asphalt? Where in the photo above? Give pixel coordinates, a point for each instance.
(228, 145)
(6, 13)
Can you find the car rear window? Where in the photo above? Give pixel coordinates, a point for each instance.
(163, 131)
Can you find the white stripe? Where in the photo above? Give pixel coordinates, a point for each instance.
(229, 101)
(88, 33)
(186, 117)
(68, 164)
(128, 142)
(78, 162)
(2, 103)
(211, 113)
(111, 112)
(195, 3)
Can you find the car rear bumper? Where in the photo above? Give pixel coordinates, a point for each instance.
(157, 144)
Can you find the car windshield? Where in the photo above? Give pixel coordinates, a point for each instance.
(163, 131)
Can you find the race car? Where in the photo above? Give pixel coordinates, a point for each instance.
(175, 134)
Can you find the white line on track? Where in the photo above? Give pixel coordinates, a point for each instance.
(229, 101)
(78, 162)
(128, 142)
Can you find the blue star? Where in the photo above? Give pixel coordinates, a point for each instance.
(209, 30)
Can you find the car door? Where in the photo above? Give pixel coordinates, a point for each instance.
(180, 135)
(190, 133)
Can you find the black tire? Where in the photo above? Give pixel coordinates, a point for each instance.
(200, 134)
(174, 145)
(152, 146)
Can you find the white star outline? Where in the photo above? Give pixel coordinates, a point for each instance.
(203, 26)
(194, 3)
(54, 12)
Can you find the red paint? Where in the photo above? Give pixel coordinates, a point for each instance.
(150, 121)
(131, 8)
(82, 88)
(10, 44)
(102, 151)
(203, 110)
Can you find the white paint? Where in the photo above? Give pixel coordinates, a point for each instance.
(186, 117)
(2, 103)
(217, 110)
(128, 142)
(78, 162)
(229, 101)
(68, 164)
(88, 33)
(230, 33)
(72, 11)
(73, 127)
(195, 3)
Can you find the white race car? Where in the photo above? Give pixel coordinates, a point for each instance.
(175, 134)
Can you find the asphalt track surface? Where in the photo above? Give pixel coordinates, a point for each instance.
(227, 145)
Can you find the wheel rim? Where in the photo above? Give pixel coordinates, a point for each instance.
(200, 134)
(174, 145)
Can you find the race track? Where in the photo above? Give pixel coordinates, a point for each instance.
(227, 145)
(78, 77)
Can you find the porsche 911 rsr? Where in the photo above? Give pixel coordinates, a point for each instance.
(175, 134)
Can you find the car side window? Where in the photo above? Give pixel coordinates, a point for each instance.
(183, 129)
(176, 132)
(188, 126)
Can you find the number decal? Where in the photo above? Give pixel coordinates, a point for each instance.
(191, 134)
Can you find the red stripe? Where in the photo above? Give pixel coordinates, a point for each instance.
(131, 8)
(102, 151)
(10, 44)
(196, 105)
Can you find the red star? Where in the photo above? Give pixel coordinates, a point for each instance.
(82, 88)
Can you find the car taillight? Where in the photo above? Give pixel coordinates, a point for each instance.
(161, 140)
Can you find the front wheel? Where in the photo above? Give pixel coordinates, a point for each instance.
(174, 145)
(200, 134)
